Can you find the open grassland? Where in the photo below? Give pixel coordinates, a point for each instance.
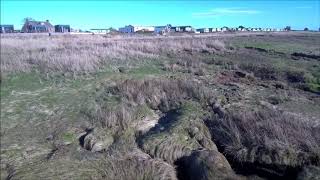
(183, 107)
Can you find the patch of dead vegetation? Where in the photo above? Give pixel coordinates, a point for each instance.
(274, 143)
(88, 53)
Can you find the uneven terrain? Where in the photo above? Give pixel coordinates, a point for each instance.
(223, 106)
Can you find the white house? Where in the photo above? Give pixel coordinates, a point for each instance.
(182, 29)
(133, 28)
(100, 31)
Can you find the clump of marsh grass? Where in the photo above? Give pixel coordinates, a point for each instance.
(162, 93)
(134, 167)
(267, 137)
(155, 93)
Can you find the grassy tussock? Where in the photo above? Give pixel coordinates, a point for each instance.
(177, 134)
(157, 94)
(268, 136)
(134, 167)
(89, 53)
(182, 130)
(163, 94)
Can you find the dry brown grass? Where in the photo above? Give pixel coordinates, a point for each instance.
(157, 93)
(88, 53)
(268, 137)
(134, 167)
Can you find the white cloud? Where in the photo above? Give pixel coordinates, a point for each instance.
(225, 11)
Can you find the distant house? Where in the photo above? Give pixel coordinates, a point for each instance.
(100, 31)
(6, 29)
(62, 28)
(37, 27)
(134, 28)
(127, 29)
(182, 29)
(212, 29)
(185, 28)
(75, 30)
(162, 29)
(241, 29)
(232, 29)
(203, 30)
(254, 29)
(174, 29)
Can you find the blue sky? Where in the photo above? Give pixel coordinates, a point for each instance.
(105, 13)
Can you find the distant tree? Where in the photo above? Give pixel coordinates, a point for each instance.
(227, 28)
(306, 29)
(287, 28)
(112, 29)
(241, 27)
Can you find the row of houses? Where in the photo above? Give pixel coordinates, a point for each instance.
(168, 28)
(36, 27)
(155, 29)
(46, 26)
(225, 29)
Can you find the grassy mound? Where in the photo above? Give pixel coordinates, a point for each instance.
(268, 140)
(178, 133)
